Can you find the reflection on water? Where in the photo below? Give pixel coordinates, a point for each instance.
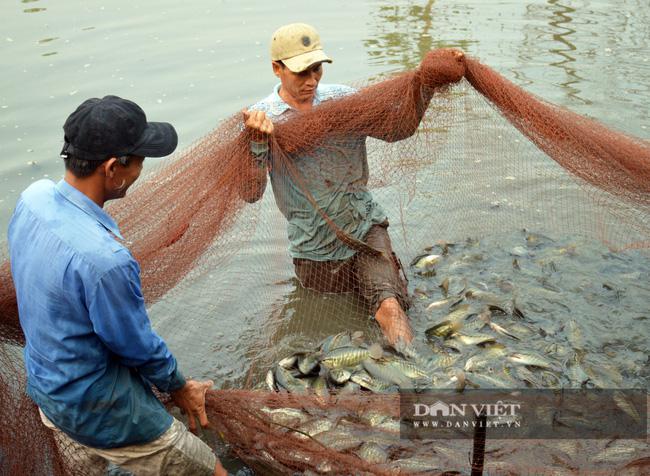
(402, 34)
(560, 28)
(562, 21)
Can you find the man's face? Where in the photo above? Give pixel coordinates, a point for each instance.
(301, 87)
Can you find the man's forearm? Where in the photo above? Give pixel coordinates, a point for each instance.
(254, 179)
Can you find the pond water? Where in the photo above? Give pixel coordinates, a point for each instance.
(197, 63)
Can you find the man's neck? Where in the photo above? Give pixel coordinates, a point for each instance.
(293, 103)
(88, 186)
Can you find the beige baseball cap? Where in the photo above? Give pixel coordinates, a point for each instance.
(298, 46)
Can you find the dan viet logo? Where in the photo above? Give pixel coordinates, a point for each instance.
(524, 413)
(441, 415)
(441, 409)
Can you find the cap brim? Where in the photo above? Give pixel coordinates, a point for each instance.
(158, 140)
(301, 62)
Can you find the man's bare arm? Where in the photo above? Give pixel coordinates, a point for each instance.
(258, 128)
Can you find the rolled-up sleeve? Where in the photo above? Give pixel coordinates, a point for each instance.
(119, 317)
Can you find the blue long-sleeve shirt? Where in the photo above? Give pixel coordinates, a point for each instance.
(90, 354)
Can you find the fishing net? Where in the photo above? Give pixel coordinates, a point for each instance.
(490, 194)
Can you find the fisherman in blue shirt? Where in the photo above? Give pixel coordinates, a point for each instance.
(91, 355)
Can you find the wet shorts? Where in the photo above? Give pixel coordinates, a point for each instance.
(175, 452)
(374, 277)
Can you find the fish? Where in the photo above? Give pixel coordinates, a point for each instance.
(443, 329)
(330, 343)
(372, 384)
(372, 453)
(307, 363)
(270, 381)
(315, 426)
(574, 336)
(474, 339)
(473, 325)
(339, 375)
(349, 388)
(410, 369)
(531, 360)
(439, 304)
(382, 370)
(576, 374)
(501, 330)
(319, 386)
(339, 439)
(425, 261)
(417, 464)
(447, 360)
(484, 360)
(444, 285)
(525, 375)
(285, 416)
(289, 362)
(490, 381)
(483, 296)
(345, 357)
(287, 381)
(415, 351)
(458, 314)
(624, 404)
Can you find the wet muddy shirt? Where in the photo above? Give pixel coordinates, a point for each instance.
(90, 353)
(335, 174)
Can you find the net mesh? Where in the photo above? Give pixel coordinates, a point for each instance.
(452, 151)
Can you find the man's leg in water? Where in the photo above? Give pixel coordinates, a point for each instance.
(393, 321)
(381, 284)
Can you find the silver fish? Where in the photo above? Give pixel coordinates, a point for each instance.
(474, 339)
(484, 360)
(439, 304)
(425, 261)
(314, 427)
(417, 464)
(339, 375)
(307, 363)
(285, 416)
(339, 439)
(409, 369)
(624, 404)
(502, 330)
(289, 362)
(483, 296)
(382, 370)
(490, 381)
(531, 360)
(330, 343)
(372, 453)
(350, 388)
(374, 385)
(319, 386)
(270, 381)
(286, 380)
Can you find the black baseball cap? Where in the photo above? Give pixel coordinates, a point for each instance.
(115, 127)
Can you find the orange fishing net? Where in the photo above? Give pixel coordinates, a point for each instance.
(448, 159)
